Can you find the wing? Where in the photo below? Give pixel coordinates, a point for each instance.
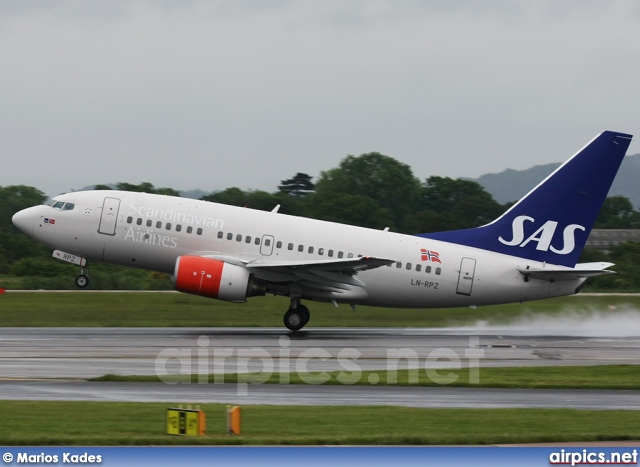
(330, 275)
(580, 271)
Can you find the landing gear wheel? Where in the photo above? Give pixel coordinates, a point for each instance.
(294, 319)
(305, 314)
(82, 281)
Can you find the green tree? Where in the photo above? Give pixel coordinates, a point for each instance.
(617, 213)
(626, 257)
(249, 199)
(298, 186)
(389, 184)
(350, 209)
(13, 244)
(461, 203)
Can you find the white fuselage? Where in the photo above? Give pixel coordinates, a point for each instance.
(152, 231)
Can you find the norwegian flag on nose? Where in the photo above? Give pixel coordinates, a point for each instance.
(430, 255)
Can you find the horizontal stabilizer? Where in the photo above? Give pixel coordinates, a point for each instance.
(582, 270)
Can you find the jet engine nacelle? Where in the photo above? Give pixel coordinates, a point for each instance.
(215, 279)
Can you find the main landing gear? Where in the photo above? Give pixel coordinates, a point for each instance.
(82, 279)
(296, 316)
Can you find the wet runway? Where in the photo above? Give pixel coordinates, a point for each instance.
(58, 354)
(297, 395)
(90, 352)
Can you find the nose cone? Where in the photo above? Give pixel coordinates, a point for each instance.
(24, 220)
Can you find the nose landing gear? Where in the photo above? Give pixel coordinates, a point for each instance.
(82, 279)
(297, 316)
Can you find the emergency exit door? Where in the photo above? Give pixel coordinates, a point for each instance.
(465, 277)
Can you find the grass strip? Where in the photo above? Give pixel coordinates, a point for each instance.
(162, 309)
(565, 377)
(115, 423)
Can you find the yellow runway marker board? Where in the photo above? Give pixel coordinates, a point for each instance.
(185, 422)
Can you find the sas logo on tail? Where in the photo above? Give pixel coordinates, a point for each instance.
(543, 236)
(430, 255)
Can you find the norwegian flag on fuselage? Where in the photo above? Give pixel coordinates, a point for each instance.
(430, 255)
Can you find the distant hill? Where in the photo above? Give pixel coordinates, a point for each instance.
(511, 185)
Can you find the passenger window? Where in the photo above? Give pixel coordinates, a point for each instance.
(438, 271)
(158, 225)
(190, 229)
(301, 248)
(149, 222)
(199, 231)
(418, 267)
(350, 255)
(139, 221)
(340, 254)
(278, 244)
(310, 250)
(408, 266)
(330, 253)
(398, 264)
(178, 228)
(247, 239)
(257, 241)
(220, 234)
(267, 241)
(129, 220)
(290, 246)
(427, 269)
(238, 238)
(168, 226)
(321, 251)
(229, 236)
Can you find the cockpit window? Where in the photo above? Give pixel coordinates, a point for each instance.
(59, 205)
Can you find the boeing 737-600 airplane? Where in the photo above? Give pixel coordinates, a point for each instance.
(232, 253)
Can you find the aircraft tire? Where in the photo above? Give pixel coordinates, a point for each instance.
(82, 281)
(306, 315)
(294, 320)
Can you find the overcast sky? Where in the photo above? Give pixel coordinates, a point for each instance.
(213, 94)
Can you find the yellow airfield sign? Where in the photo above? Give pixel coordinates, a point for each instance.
(187, 422)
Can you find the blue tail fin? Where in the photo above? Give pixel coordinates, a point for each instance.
(553, 221)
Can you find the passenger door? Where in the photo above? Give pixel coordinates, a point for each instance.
(109, 216)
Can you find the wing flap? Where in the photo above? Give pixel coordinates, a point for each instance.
(333, 275)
